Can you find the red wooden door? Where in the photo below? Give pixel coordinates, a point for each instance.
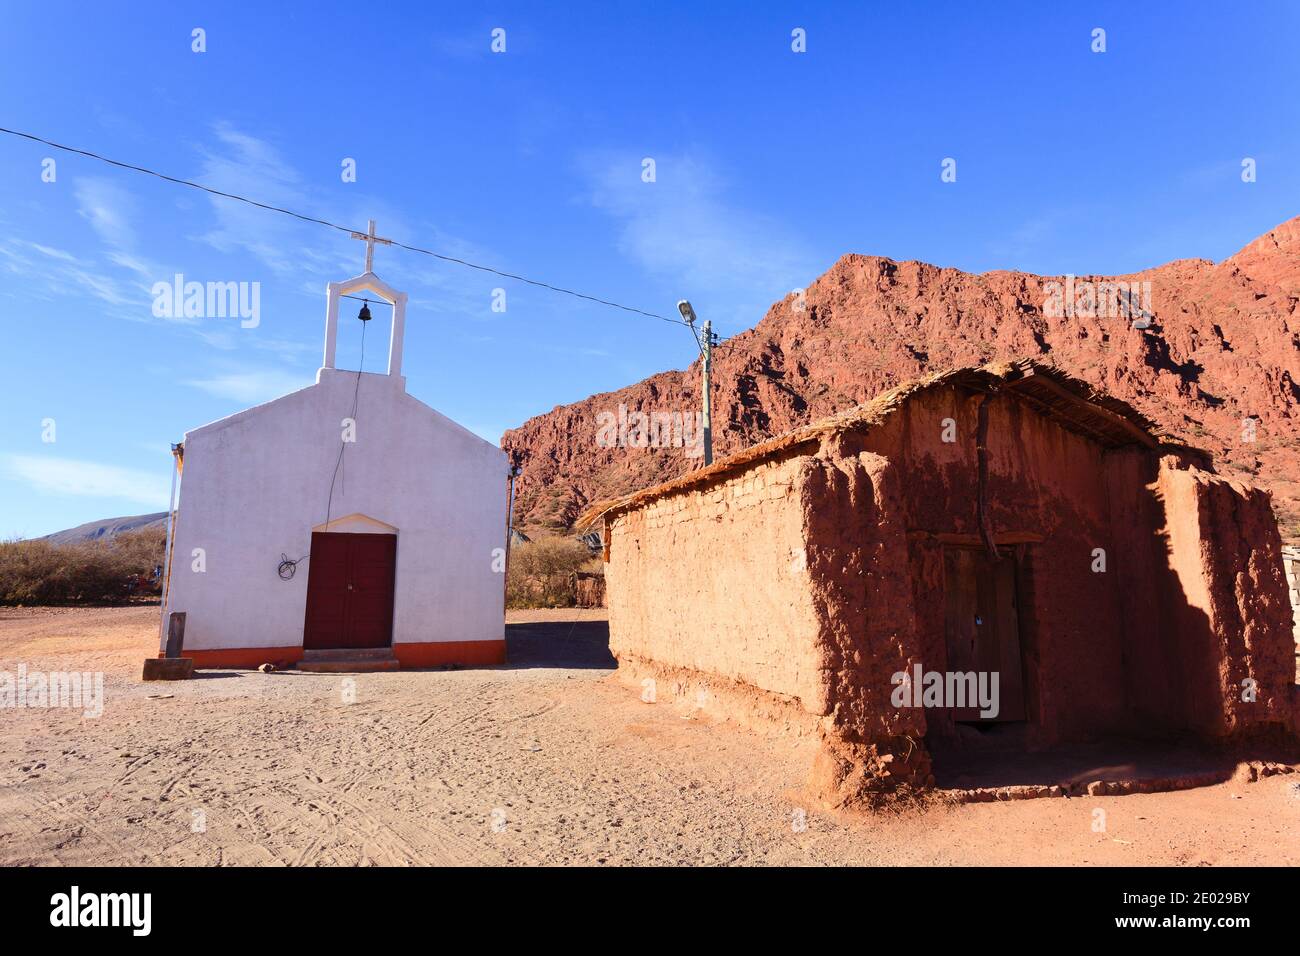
(350, 590)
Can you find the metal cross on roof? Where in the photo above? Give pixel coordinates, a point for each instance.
(369, 238)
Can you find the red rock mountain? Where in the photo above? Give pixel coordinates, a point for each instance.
(1223, 347)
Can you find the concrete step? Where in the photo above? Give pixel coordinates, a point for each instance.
(361, 666)
(348, 654)
(348, 660)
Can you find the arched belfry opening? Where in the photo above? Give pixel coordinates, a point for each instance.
(366, 282)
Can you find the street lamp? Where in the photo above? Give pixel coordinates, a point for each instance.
(706, 366)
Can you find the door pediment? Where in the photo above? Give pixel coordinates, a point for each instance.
(356, 524)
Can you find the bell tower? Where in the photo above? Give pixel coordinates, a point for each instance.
(366, 282)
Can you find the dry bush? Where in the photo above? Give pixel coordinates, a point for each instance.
(541, 572)
(90, 572)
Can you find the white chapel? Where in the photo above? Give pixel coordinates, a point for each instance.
(343, 522)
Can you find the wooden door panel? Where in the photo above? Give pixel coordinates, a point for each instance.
(1010, 664)
(961, 607)
(325, 624)
(982, 631)
(370, 599)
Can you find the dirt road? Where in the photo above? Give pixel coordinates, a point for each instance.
(546, 761)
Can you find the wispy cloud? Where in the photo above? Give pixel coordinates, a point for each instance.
(107, 205)
(109, 208)
(55, 272)
(239, 162)
(121, 273)
(243, 164)
(251, 386)
(52, 252)
(230, 338)
(88, 479)
(683, 228)
(293, 350)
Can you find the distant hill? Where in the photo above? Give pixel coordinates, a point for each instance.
(107, 528)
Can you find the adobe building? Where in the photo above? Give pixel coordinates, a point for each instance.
(1003, 520)
(345, 526)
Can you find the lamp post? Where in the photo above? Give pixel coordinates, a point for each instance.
(706, 364)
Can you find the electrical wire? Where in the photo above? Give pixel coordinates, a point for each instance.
(333, 225)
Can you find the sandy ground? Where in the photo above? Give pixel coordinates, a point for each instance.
(547, 761)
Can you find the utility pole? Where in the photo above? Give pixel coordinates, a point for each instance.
(706, 364)
(707, 353)
(178, 456)
(515, 471)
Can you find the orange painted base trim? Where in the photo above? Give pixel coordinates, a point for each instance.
(443, 653)
(432, 654)
(246, 658)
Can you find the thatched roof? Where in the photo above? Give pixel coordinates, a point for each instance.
(1055, 394)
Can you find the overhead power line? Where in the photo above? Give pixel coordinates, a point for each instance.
(333, 225)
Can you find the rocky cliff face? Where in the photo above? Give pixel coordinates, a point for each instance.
(1218, 366)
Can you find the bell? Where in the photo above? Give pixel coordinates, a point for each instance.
(364, 314)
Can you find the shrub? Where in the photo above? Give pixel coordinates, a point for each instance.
(102, 571)
(541, 572)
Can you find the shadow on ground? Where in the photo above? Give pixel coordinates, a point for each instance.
(581, 644)
(1170, 765)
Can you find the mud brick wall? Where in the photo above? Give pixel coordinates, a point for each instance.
(858, 567)
(715, 580)
(1229, 601)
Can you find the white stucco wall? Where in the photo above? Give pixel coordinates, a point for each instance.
(255, 484)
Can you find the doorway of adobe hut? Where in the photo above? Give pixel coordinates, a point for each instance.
(350, 586)
(982, 633)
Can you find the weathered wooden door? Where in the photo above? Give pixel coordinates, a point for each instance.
(982, 626)
(350, 590)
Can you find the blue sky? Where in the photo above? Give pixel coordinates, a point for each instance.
(769, 165)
